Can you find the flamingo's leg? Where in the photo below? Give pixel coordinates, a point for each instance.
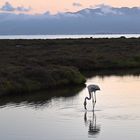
(95, 96)
(93, 102)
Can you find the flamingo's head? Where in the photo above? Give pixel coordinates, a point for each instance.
(85, 103)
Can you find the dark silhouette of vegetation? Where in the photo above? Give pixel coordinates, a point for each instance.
(31, 65)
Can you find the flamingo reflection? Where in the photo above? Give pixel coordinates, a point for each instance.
(93, 128)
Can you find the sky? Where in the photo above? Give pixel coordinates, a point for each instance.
(55, 6)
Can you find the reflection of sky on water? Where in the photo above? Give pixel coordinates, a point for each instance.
(116, 116)
(119, 96)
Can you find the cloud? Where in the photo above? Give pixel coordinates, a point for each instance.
(23, 9)
(85, 21)
(107, 9)
(77, 4)
(7, 7)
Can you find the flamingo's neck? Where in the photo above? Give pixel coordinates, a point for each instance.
(88, 98)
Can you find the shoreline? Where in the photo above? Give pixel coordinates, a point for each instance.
(71, 36)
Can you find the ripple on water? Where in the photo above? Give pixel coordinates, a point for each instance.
(121, 117)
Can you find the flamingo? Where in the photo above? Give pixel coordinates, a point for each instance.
(91, 88)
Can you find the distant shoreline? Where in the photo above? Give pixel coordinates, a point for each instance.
(71, 36)
(38, 64)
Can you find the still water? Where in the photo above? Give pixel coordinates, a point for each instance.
(62, 117)
(67, 36)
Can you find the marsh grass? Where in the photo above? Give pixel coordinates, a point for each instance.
(31, 65)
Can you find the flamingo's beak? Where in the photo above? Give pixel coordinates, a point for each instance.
(85, 105)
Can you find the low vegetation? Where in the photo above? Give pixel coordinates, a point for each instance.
(31, 65)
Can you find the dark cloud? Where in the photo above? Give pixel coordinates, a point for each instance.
(102, 19)
(7, 7)
(77, 4)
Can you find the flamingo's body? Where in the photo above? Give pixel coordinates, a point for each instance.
(91, 88)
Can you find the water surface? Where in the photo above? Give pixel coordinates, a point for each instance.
(67, 36)
(62, 116)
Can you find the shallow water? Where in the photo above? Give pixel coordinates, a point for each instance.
(67, 36)
(62, 117)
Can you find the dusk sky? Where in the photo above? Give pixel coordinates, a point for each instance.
(54, 6)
